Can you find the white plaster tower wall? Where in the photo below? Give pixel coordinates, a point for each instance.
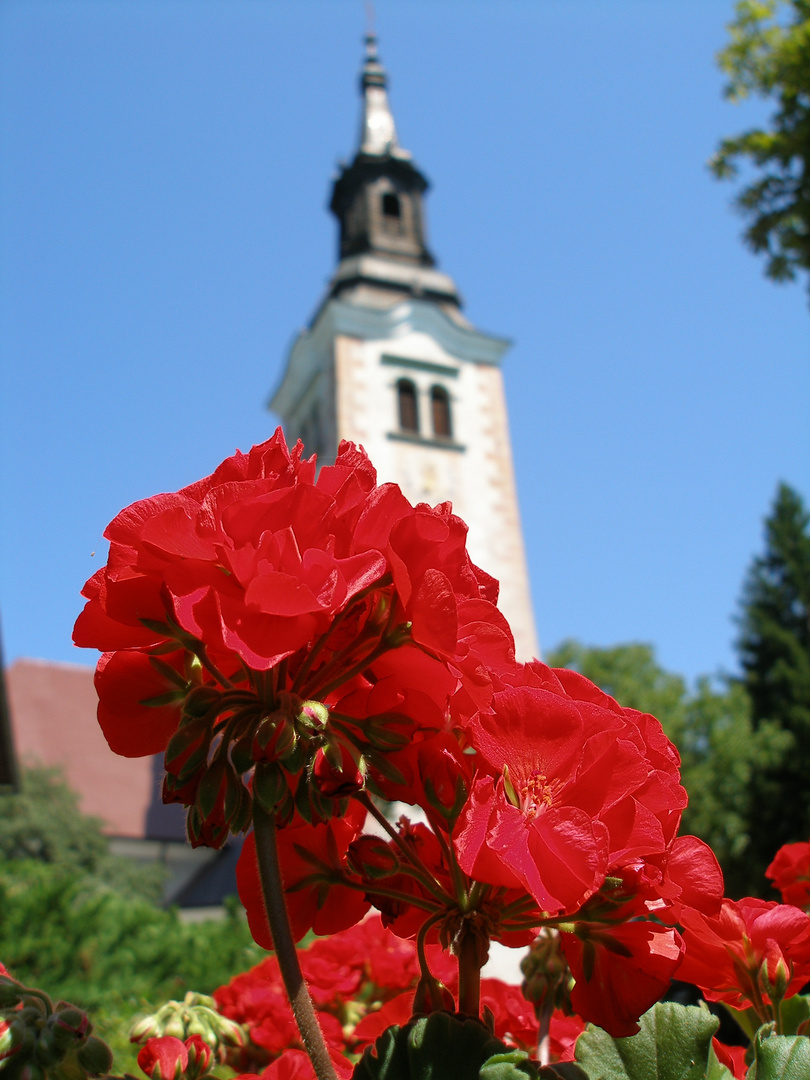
(390, 318)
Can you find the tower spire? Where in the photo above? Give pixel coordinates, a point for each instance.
(378, 133)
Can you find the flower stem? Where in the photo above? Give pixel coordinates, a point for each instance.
(419, 870)
(469, 973)
(543, 1033)
(279, 921)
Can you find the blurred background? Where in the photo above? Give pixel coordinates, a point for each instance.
(164, 235)
(165, 169)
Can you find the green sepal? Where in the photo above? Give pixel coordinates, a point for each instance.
(185, 736)
(322, 806)
(169, 673)
(384, 766)
(460, 797)
(302, 803)
(171, 697)
(208, 792)
(674, 1043)
(234, 792)
(269, 786)
(241, 754)
(382, 736)
(95, 1057)
(243, 814)
(10, 992)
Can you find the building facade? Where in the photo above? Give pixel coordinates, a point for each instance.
(389, 361)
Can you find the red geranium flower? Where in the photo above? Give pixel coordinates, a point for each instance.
(584, 785)
(225, 607)
(790, 873)
(751, 945)
(620, 971)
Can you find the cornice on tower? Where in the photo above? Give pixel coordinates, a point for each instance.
(378, 201)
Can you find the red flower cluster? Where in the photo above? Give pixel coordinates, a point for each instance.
(226, 607)
(363, 980)
(790, 873)
(753, 953)
(296, 640)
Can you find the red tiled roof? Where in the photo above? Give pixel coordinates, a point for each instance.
(53, 722)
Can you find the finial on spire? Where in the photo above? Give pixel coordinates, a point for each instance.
(378, 134)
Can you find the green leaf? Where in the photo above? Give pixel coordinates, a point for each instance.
(794, 1011)
(674, 1043)
(562, 1070)
(780, 1057)
(437, 1047)
(512, 1065)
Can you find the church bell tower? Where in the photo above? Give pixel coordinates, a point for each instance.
(389, 361)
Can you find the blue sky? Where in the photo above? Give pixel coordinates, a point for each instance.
(165, 171)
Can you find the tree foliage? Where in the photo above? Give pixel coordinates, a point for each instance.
(82, 923)
(774, 649)
(769, 55)
(43, 822)
(711, 726)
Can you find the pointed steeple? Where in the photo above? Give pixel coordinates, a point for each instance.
(377, 200)
(378, 133)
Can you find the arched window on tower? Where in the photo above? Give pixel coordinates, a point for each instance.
(407, 406)
(392, 212)
(440, 412)
(390, 205)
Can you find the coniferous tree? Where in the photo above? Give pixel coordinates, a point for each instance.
(774, 650)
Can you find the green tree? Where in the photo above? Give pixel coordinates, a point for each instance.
(43, 822)
(769, 55)
(774, 650)
(712, 728)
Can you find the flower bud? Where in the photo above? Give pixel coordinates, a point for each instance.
(547, 979)
(275, 737)
(228, 1032)
(335, 773)
(12, 1036)
(200, 701)
(372, 858)
(164, 1058)
(144, 1029)
(200, 1027)
(46, 1051)
(175, 1027)
(269, 786)
(314, 716)
(432, 996)
(10, 992)
(212, 787)
(95, 1057)
(199, 1056)
(774, 983)
(70, 1026)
